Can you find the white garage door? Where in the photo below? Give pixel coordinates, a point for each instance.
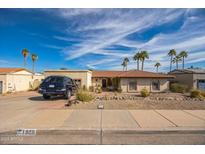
(1, 87)
(201, 84)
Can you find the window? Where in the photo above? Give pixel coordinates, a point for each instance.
(54, 80)
(132, 86)
(156, 85)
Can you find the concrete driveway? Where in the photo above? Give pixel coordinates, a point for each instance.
(58, 125)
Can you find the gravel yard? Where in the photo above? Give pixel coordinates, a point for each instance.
(172, 101)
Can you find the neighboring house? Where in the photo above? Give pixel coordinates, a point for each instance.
(81, 77)
(193, 78)
(127, 81)
(18, 79)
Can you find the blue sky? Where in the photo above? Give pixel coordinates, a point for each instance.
(100, 38)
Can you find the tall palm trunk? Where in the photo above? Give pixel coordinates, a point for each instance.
(177, 65)
(157, 68)
(183, 63)
(33, 67)
(171, 63)
(142, 65)
(138, 64)
(24, 61)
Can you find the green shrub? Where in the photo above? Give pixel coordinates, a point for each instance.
(98, 89)
(84, 96)
(144, 92)
(91, 88)
(203, 93)
(197, 94)
(178, 88)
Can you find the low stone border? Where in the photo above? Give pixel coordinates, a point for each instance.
(150, 98)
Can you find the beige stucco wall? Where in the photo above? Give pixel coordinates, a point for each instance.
(189, 79)
(143, 83)
(186, 79)
(22, 81)
(18, 82)
(89, 79)
(85, 76)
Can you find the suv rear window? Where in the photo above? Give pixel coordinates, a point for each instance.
(54, 80)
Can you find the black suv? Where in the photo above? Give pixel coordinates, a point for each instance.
(57, 85)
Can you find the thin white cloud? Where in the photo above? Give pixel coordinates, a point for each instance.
(67, 39)
(76, 12)
(117, 29)
(114, 26)
(52, 46)
(93, 64)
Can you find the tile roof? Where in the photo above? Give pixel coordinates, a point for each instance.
(130, 74)
(10, 70)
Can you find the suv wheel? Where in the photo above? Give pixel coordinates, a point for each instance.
(68, 94)
(46, 96)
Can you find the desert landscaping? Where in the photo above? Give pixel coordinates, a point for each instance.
(170, 101)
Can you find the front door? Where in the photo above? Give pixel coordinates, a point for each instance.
(1, 87)
(104, 83)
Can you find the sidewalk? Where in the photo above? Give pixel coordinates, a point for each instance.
(108, 126)
(117, 119)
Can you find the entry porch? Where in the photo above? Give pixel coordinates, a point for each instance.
(107, 83)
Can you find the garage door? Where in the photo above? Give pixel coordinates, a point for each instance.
(1, 87)
(201, 84)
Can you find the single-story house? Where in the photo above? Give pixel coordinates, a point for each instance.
(193, 78)
(127, 81)
(18, 79)
(131, 81)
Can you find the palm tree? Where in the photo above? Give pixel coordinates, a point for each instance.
(171, 53)
(184, 55)
(137, 58)
(176, 60)
(25, 54)
(126, 60)
(123, 65)
(157, 65)
(34, 57)
(143, 55)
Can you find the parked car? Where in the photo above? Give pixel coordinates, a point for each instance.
(57, 85)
